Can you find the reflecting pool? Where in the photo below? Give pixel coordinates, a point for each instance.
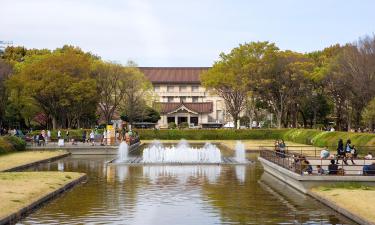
(170, 194)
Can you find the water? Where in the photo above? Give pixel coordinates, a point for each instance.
(183, 153)
(123, 150)
(171, 194)
(240, 152)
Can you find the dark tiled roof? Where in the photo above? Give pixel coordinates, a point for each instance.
(173, 75)
(199, 107)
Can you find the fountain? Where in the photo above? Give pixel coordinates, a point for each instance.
(123, 152)
(183, 153)
(240, 152)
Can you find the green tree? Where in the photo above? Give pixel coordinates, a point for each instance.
(137, 91)
(5, 71)
(58, 82)
(368, 114)
(232, 75)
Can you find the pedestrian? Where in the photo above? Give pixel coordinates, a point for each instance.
(92, 138)
(348, 152)
(340, 151)
(48, 136)
(104, 140)
(67, 135)
(58, 134)
(84, 133)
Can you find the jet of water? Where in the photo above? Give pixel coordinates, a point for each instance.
(240, 155)
(122, 154)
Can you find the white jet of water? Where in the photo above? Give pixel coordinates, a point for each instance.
(240, 152)
(122, 154)
(183, 153)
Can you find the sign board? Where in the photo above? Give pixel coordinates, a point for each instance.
(110, 135)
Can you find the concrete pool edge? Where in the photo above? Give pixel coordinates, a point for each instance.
(26, 210)
(35, 163)
(305, 183)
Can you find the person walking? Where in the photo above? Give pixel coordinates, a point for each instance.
(84, 133)
(92, 138)
(67, 135)
(48, 136)
(58, 134)
(340, 150)
(348, 152)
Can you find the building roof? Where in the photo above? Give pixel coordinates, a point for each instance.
(197, 107)
(173, 75)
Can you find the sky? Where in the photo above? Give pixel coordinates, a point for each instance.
(182, 33)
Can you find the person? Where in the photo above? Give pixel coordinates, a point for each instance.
(48, 136)
(67, 135)
(104, 140)
(320, 170)
(84, 133)
(306, 167)
(324, 154)
(58, 134)
(354, 152)
(123, 132)
(368, 156)
(340, 150)
(41, 139)
(348, 154)
(282, 148)
(369, 170)
(92, 138)
(333, 168)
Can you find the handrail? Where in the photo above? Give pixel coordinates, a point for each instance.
(293, 163)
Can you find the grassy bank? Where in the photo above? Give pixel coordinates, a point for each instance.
(20, 189)
(10, 144)
(353, 197)
(16, 159)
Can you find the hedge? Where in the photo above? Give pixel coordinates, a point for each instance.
(11, 144)
(214, 134)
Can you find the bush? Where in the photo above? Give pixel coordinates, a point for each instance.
(183, 125)
(11, 144)
(172, 125)
(214, 134)
(17, 143)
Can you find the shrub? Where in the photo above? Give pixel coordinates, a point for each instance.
(183, 125)
(17, 143)
(172, 125)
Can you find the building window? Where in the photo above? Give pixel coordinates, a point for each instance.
(195, 99)
(170, 88)
(156, 88)
(170, 99)
(194, 88)
(183, 88)
(183, 99)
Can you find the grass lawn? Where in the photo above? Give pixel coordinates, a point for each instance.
(20, 189)
(11, 160)
(353, 197)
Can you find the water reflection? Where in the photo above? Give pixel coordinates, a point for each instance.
(121, 194)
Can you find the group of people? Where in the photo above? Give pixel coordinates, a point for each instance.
(42, 138)
(280, 148)
(128, 136)
(345, 152)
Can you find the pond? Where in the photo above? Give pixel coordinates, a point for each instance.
(170, 194)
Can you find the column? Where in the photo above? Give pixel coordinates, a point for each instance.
(175, 120)
(189, 119)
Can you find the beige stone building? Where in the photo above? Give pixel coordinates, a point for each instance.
(180, 97)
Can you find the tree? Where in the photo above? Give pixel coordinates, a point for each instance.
(111, 82)
(232, 75)
(149, 115)
(368, 114)
(283, 82)
(5, 71)
(137, 90)
(59, 82)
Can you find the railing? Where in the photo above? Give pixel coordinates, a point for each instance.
(53, 142)
(295, 162)
(313, 151)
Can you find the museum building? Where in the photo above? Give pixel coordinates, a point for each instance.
(180, 97)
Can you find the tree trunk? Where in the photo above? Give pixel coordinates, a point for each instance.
(279, 117)
(54, 124)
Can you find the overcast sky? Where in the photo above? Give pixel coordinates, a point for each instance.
(182, 33)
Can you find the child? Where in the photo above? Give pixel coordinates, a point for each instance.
(320, 170)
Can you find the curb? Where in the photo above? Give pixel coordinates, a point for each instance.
(25, 166)
(340, 210)
(15, 217)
